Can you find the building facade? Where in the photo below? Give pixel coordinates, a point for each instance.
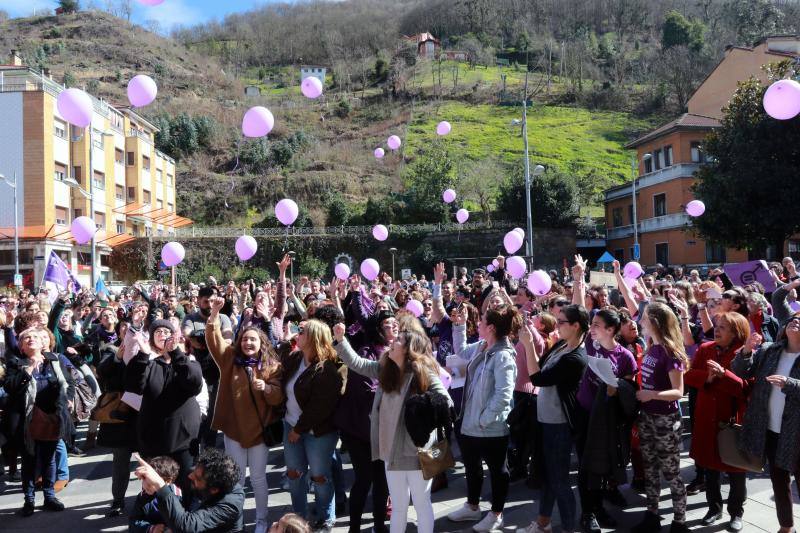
(128, 189)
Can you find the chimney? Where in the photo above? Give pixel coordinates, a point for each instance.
(15, 59)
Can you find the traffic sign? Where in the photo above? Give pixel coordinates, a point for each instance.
(636, 252)
(18, 280)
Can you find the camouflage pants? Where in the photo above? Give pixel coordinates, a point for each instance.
(660, 437)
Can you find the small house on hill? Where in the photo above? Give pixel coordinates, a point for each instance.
(428, 46)
(313, 70)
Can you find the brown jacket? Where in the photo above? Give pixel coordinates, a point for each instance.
(317, 391)
(234, 414)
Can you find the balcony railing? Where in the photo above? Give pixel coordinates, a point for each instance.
(681, 170)
(140, 134)
(620, 232)
(647, 225)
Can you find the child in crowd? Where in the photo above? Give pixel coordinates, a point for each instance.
(145, 512)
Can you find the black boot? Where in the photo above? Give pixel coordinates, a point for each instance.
(649, 524)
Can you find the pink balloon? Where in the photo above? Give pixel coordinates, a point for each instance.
(415, 306)
(311, 87)
(445, 377)
(379, 153)
(342, 271)
(286, 210)
(246, 247)
(394, 142)
(370, 269)
(495, 263)
(632, 270)
(515, 265)
(539, 282)
(151, 2)
(83, 229)
(142, 90)
(76, 107)
(462, 215)
(172, 253)
(490, 268)
(520, 231)
(449, 196)
(512, 242)
(443, 128)
(380, 232)
(795, 306)
(782, 99)
(257, 122)
(695, 208)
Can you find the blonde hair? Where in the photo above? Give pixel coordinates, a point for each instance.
(667, 331)
(320, 341)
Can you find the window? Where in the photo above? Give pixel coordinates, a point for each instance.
(619, 254)
(146, 163)
(60, 129)
(616, 215)
(630, 213)
(98, 139)
(170, 208)
(100, 220)
(119, 192)
(146, 196)
(120, 227)
(662, 253)
(117, 121)
(160, 176)
(76, 172)
(715, 253)
(698, 156)
(170, 180)
(99, 180)
(105, 260)
(658, 159)
(131, 194)
(659, 205)
(668, 156)
(61, 215)
(78, 213)
(131, 159)
(648, 165)
(25, 257)
(60, 172)
(119, 156)
(160, 204)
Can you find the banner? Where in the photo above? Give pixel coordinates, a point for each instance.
(746, 273)
(58, 273)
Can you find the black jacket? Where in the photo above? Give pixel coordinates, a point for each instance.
(170, 416)
(425, 413)
(566, 375)
(217, 515)
(111, 375)
(317, 391)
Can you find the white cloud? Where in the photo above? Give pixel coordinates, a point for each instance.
(170, 14)
(25, 8)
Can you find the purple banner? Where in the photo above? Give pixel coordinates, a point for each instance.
(746, 273)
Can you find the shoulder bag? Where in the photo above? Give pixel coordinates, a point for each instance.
(436, 459)
(730, 453)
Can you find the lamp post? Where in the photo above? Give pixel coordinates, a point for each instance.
(536, 171)
(13, 185)
(393, 251)
(635, 172)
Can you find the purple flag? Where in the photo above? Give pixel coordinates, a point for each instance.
(58, 273)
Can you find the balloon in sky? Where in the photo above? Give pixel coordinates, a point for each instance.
(515, 265)
(142, 90)
(539, 282)
(380, 232)
(342, 271)
(415, 306)
(449, 196)
(151, 2)
(443, 128)
(462, 215)
(782, 99)
(512, 241)
(83, 229)
(632, 270)
(76, 107)
(695, 208)
(286, 210)
(379, 153)
(311, 87)
(257, 122)
(172, 253)
(370, 269)
(394, 142)
(246, 247)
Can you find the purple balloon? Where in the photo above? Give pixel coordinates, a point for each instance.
(632, 270)
(380, 232)
(539, 282)
(462, 215)
(415, 306)
(394, 142)
(520, 231)
(246, 247)
(495, 263)
(443, 128)
(286, 210)
(512, 242)
(257, 122)
(83, 229)
(782, 99)
(76, 107)
(151, 2)
(342, 271)
(795, 306)
(449, 196)
(515, 265)
(370, 269)
(695, 208)
(379, 153)
(142, 90)
(490, 268)
(311, 87)
(172, 253)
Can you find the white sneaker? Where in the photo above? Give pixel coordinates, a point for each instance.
(465, 514)
(490, 522)
(536, 528)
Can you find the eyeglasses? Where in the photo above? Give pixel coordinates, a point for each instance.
(560, 303)
(563, 322)
(727, 296)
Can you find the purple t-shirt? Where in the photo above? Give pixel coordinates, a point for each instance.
(657, 363)
(622, 362)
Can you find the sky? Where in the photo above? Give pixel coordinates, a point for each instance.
(169, 14)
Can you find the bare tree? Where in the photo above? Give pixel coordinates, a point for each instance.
(480, 180)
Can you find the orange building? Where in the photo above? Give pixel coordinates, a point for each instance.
(667, 159)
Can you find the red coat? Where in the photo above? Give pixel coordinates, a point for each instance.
(715, 403)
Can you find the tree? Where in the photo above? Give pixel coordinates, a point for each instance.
(754, 19)
(679, 31)
(429, 175)
(69, 6)
(554, 199)
(480, 181)
(339, 211)
(750, 187)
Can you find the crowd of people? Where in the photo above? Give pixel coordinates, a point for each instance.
(488, 374)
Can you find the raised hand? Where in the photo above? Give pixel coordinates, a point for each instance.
(284, 264)
(217, 303)
(439, 274)
(339, 331)
(460, 317)
(615, 265)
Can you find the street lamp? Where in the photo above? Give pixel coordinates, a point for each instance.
(635, 171)
(393, 251)
(13, 185)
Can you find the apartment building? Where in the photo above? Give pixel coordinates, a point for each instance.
(112, 173)
(667, 159)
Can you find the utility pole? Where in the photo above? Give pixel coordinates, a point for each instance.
(529, 244)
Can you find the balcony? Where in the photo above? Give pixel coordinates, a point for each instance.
(682, 170)
(672, 221)
(620, 232)
(140, 134)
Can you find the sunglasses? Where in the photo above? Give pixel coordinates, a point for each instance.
(560, 303)
(727, 296)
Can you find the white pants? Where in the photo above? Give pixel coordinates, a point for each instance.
(256, 459)
(401, 482)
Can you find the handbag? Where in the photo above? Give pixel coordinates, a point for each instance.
(728, 438)
(44, 426)
(109, 408)
(436, 459)
(271, 434)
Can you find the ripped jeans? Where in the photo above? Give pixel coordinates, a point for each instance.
(311, 456)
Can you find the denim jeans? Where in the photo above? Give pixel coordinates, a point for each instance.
(311, 456)
(44, 457)
(556, 487)
(62, 462)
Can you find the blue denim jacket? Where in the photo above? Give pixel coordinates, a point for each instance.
(491, 374)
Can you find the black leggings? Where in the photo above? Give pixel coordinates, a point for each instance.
(493, 451)
(367, 473)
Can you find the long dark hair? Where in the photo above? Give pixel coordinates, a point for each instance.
(419, 360)
(267, 358)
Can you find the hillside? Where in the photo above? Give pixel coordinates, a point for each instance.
(321, 150)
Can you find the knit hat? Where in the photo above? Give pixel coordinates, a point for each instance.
(161, 323)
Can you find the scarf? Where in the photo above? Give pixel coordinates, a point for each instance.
(250, 362)
(106, 336)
